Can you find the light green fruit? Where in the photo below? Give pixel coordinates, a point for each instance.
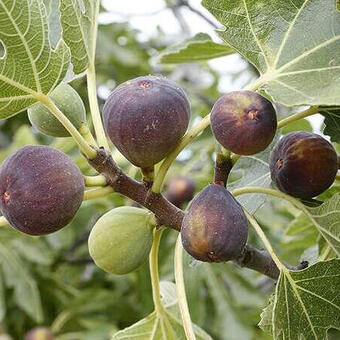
(69, 103)
(121, 240)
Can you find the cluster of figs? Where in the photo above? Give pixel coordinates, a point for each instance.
(41, 188)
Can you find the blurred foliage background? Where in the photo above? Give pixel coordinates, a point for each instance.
(51, 281)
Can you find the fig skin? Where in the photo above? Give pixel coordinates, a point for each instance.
(41, 189)
(215, 226)
(145, 118)
(121, 240)
(243, 122)
(39, 333)
(70, 104)
(303, 164)
(180, 189)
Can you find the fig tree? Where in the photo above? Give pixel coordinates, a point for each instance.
(243, 122)
(70, 104)
(215, 226)
(145, 118)
(121, 240)
(180, 189)
(41, 189)
(303, 164)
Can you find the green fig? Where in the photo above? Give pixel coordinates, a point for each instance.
(121, 239)
(70, 104)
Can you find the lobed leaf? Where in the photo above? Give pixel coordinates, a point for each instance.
(294, 45)
(198, 48)
(332, 123)
(29, 66)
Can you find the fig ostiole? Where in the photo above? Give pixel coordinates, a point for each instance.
(69, 103)
(145, 118)
(303, 164)
(243, 122)
(41, 189)
(121, 240)
(215, 227)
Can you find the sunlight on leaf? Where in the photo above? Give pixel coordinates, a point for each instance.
(294, 44)
(332, 122)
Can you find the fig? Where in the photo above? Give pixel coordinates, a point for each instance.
(121, 239)
(215, 226)
(243, 122)
(41, 189)
(70, 104)
(303, 164)
(145, 118)
(180, 189)
(39, 333)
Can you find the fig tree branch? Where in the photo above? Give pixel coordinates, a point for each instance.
(166, 213)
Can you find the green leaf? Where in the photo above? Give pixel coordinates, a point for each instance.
(79, 30)
(165, 325)
(26, 292)
(2, 298)
(198, 48)
(258, 176)
(294, 45)
(332, 123)
(30, 67)
(298, 125)
(326, 218)
(306, 304)
(266, 316)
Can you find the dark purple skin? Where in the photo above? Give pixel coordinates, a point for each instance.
(145, 118)
(39, 333)
(243, 122)
(180, 189)
(215, 226)
(303, 164)
(41, 189)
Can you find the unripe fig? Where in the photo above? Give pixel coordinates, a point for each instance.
(145, 118)
(215, 226)
(41, 189)
(303, 164)
(121, 240)
(39, 333)
(243, 122)
(180, 189)
(70, 104)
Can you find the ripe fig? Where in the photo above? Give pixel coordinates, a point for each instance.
(121, 240)
(303, 164)
(145, 118)
(215, 226)
(39, 333)
(180, 189)
(70, 104)
(41, 189)
(243, 122)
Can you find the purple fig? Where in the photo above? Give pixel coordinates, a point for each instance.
(215, 226)
(41, 189)
(303, 164)
(243, 122)
(180, 189)
(145, 118)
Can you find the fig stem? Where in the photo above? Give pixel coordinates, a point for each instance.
(148, 175)
(311, 111)
(86, 133)
(265, 241)
(97, 193)
(223, 166)
(3, 222)
(94, 108)
(180, 288)
(186, 139)
(83, 145)
(154, 272)
(95, 181)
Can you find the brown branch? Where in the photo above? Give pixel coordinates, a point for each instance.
(169, 215)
